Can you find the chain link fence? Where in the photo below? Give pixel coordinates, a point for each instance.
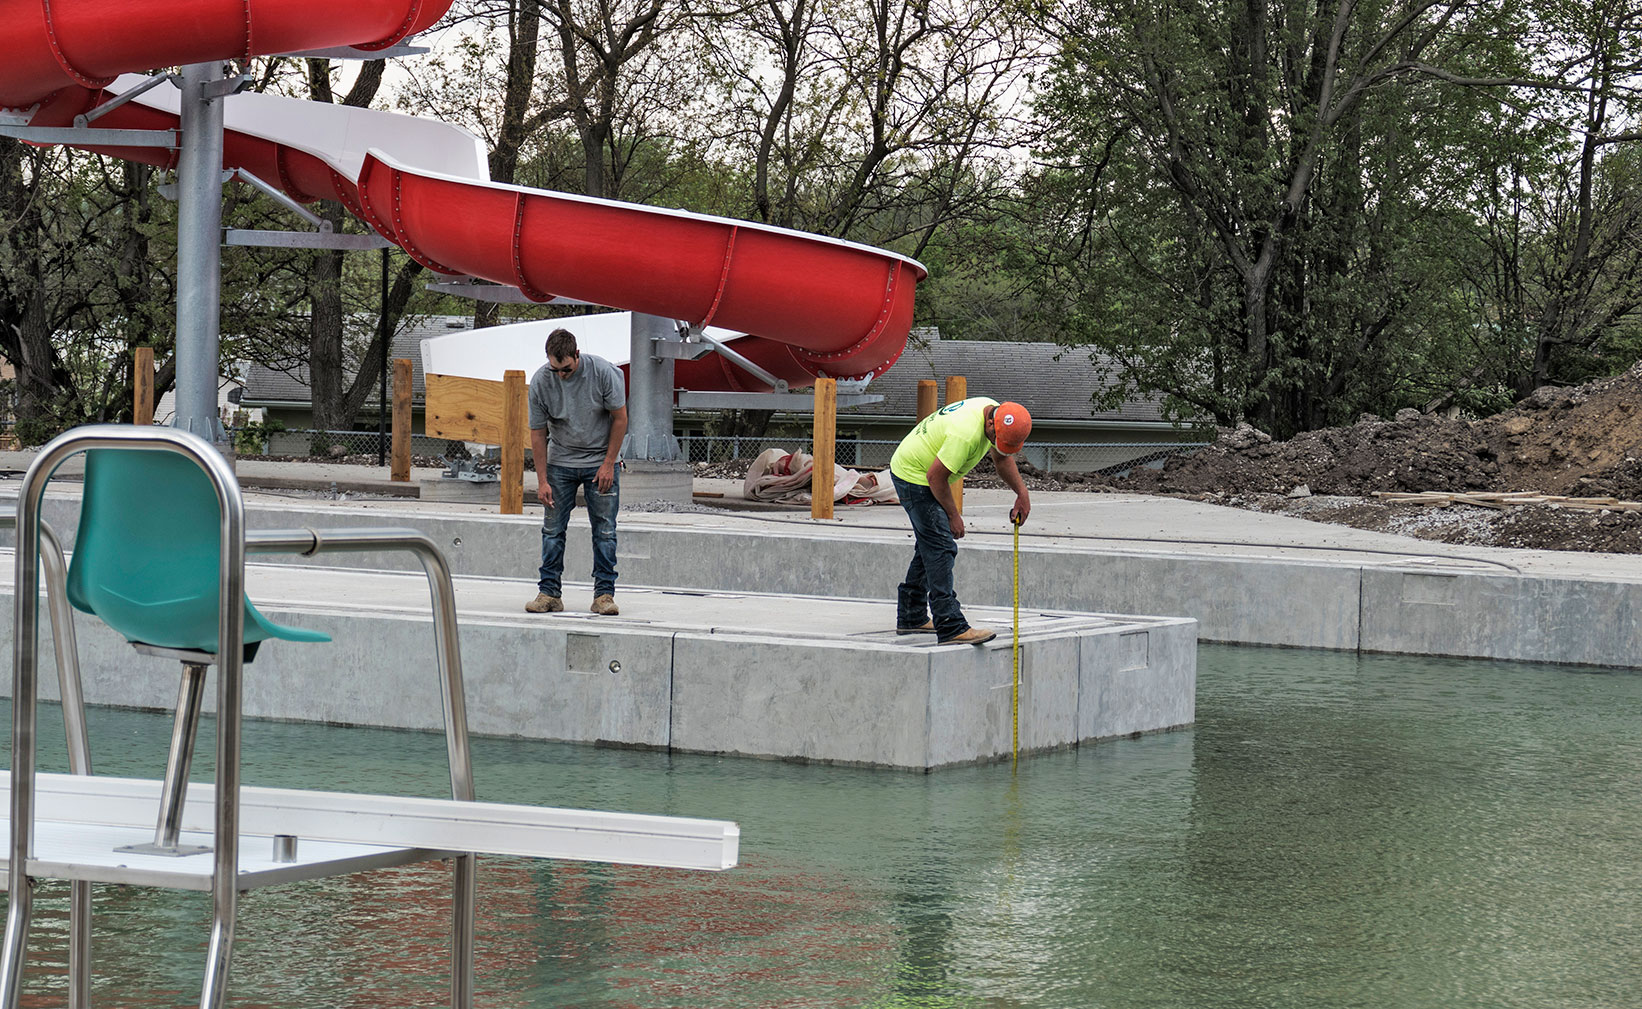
(858, 453)
(330, 446)
(863, 453)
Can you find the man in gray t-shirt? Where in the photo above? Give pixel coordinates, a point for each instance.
(579, 403)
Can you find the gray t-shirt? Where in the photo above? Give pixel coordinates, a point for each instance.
(576, 410)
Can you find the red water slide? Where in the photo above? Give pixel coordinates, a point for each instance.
(819, 306)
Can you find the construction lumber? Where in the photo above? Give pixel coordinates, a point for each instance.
(1503, 501)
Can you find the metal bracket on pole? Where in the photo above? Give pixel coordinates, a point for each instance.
(687, 348)
(87, 118)
(225, 87)
(323, 236)
(170, 190)
(776, 384)
(319, 223)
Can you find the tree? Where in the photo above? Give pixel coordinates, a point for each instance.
(336, 400)
(84, 279)
(1283, 169)
(1570, 256)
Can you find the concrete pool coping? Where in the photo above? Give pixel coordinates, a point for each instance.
(1246, 577)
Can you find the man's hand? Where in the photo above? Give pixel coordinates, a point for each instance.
(544, 491)
(605, 477)
(955, 522)
(1023, 508)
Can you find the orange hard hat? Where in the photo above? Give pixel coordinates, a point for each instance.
(1010, 426)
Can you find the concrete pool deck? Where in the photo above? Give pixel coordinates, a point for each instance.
(731, 612)
(1246, 577)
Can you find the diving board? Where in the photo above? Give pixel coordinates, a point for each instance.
(424, 828)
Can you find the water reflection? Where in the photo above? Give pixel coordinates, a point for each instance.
(1336, 831)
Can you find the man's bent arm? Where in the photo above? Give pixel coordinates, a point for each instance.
(1010, 474)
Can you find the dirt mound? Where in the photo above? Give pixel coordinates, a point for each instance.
(1582, 441)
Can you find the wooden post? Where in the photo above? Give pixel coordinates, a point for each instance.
(957, 387)
(142, 386)
(401, 420)
(513, 442)
(926, 397)
(826, 425)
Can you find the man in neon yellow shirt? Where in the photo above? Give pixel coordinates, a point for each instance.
(935, 455)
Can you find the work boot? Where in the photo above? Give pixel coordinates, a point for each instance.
(544, 603)
(605, 605)
(973, 636)
(927, 627)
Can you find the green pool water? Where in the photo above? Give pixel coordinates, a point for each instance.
(1335, 831)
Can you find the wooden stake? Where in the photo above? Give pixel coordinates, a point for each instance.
(400, 461)
(142, 386)
(926, 397)
(513, 442)
(957, 388)
(823, 438)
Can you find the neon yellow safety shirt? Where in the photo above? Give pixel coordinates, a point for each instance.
(954, 434)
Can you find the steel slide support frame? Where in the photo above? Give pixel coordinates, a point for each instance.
(199, 253)
(650, 392)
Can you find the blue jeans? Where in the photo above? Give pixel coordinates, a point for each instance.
(601, 511)
(928, 585)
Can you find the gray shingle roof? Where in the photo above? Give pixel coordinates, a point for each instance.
(1051, 381)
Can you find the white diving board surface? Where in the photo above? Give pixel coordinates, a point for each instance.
(82, 820)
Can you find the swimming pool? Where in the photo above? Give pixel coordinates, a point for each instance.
(1335, 831)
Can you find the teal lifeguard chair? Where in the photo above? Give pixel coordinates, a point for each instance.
(160, 556)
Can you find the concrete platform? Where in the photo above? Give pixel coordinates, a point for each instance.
(1246, 577)
(792, 677)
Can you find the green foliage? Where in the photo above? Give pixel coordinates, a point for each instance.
(251, 437)
(1255, 226)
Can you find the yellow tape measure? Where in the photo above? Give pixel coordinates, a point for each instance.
(1015, 653)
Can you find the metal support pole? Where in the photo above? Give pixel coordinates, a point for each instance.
(174, 792)
(650, 393)
(382, 402)
(199, 258)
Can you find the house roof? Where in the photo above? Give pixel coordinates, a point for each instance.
(266, 386)
(1053, 382)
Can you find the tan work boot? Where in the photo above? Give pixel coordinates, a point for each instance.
(544, 603)
(973, 636)
(927, 627)
(605, 606)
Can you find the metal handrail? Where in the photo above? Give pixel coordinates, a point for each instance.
(37, 547)
(66, 649)
(442, 589)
